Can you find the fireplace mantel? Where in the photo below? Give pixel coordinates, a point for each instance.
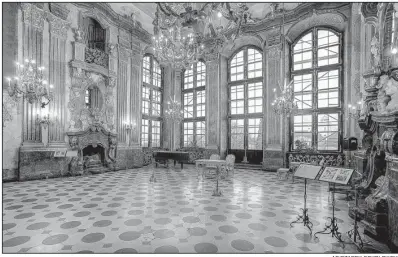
(95, 135)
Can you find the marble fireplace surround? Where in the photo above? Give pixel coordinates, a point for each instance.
(96, 135)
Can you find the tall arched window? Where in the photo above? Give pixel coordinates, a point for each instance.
(317, 74)
(246, 104)
(151, 102)
(194, 101)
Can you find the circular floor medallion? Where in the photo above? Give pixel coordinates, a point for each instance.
(275, 241)
(55, 239)
(93, 237)
(109, 213)
(8, 226)
(206, 248)
(24, 215)
(65, 206)
(163, 221)
(218, 218)
(133, 222)
(135, 212)
(71, 224)
(167, 249)
(102, 223)
(81, 214)
(19, 240)
(164, 233)
(129, 235)
(257, 226)
(191, 219)
(228, 229)
(242, 245)
(268, 214)
(38, 225)
(242, 215)
(197, 231)
(210, 208)
(126, 250)
(161, 211)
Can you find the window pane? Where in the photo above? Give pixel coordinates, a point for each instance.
(200, 134)
(328, 92)
(200, 74)
(146, 68)
(328, 55)
(255, 99)
(255, 63)
(237, 134)
(302, 53)
(200, 103)
(237, 63)
(302, 88)
(188, 79)
(188, 134)
(237, 99)
(155, 133)
(144, 133)
(328, 132)
(188, 105)
(255, 134)
(302, 129)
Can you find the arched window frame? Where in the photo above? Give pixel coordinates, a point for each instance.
(247, 116)
(316, 113)
(194, 125)
(152, 99)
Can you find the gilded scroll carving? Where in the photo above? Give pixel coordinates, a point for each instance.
(96, 56)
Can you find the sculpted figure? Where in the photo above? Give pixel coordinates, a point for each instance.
(382, 97)
(392, 90)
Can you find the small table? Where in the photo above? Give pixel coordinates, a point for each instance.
(218, 164)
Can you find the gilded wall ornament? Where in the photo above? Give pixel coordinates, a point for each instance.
(375, 50)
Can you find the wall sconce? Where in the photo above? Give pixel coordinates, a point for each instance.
(354, 112)
(44, 121)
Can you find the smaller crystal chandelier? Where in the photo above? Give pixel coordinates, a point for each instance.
(174, 112)
(285, 104)
(30, 84)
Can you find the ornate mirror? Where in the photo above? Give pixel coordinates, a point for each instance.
(93, 98)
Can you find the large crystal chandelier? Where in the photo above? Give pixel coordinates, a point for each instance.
(183, 30)
(29, 83)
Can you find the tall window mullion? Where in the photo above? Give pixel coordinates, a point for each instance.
(151, 103)
(245, 99)
(194, 106)
(317, 90)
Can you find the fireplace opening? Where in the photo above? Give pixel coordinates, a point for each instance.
(94, 158)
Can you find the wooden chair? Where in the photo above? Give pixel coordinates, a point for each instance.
(211, 167)
(230, 160)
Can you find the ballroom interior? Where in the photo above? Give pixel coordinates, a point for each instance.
(200, 127)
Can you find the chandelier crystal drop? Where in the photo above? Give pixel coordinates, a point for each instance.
(29, 83)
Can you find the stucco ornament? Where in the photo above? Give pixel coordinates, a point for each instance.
(391, 90)
(382, 97)
(375, 50)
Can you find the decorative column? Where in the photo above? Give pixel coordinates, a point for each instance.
(57, 72)
(135, 98)
(212, 104)
(272, 144)
(32, 48)
(122, 94)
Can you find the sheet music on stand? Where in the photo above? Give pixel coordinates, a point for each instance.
(307, 171)
(336, 175)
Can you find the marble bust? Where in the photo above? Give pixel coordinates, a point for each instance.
(391, 90)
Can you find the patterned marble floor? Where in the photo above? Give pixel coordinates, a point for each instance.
(124, 212)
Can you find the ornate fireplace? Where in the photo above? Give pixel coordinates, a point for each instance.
(96, 149)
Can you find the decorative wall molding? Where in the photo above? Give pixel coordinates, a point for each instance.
(124, 53)
(60, 10)
(274, 51)
(330, 19)
(58, 26)
(33, 15)
(80, 116)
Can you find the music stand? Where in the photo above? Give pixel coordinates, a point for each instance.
(306, 171)
(335, 176)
